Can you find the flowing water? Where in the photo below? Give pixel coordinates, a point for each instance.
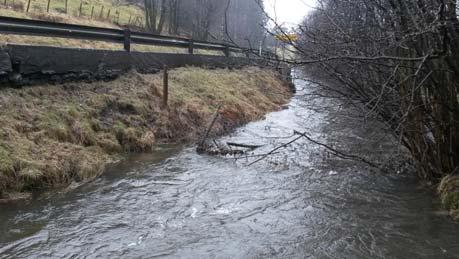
(297, 203)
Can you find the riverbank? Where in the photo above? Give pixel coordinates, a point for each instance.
(53, 135)
(448, 190)
(299, 202)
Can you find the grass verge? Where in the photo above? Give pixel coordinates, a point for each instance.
(105, 13)
(449, 195)
(53, 135)
(57, 13)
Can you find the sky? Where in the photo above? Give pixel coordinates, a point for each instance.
(289, 12)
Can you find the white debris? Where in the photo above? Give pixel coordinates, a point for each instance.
(332, 173)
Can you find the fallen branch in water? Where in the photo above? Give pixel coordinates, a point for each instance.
(274, 150)
(337, 152)
(201, 146)
(333, 151)
(243, 145)
(216, 149)
(223, 152)
(244, 156)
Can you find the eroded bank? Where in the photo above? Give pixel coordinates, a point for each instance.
(53, 135)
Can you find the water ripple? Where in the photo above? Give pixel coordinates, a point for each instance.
(298, 203)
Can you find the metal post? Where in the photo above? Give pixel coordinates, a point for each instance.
(226, 51)
(190, 47)
(127, 40)
(165, 86)
(260, 49)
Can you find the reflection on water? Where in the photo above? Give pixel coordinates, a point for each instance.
(178, 204)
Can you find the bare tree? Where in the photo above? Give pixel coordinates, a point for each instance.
(174, 12)
(155, 15)
(399, 61)
(217, 20)
(204, 11)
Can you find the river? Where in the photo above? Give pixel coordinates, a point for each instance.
(297, 203)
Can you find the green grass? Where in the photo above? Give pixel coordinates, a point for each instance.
(38, 10)
(57, 13)
(449, 195)
(53, 135)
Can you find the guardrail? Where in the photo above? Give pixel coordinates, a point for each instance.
(126, 37)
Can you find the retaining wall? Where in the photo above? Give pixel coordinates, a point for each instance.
(21, 64)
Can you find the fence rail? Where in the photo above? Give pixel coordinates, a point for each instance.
(126, 37)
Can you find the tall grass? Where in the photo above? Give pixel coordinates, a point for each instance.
(53, 135)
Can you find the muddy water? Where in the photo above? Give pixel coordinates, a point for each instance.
(298, 203)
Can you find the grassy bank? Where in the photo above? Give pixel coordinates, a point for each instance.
(52, 135)
(105, 13)
(121, 15)
(449, 194)
(37, 11)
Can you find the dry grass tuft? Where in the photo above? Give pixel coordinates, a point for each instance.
(52, 135)
(449, 194)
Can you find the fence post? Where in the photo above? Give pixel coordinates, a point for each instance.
(101, 12)
(165, 86)
(47, 6)
(226, 51)
(81, 8)
(141, 23)
(190, 47)
(66, 6)
(108, 14)
(127, 40)
(28, 6)
(92, 11)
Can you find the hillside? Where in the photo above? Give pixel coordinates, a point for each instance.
(105, 13)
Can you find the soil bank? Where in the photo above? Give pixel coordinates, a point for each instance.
(54, 135)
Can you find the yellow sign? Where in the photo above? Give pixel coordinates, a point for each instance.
(287, 37)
